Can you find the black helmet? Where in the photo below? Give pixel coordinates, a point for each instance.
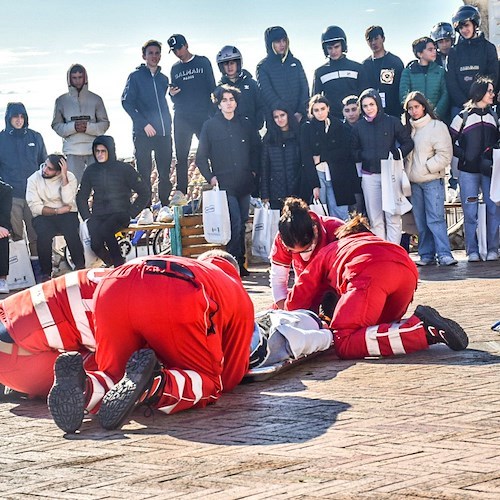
(441, 31)
(229, 53)
(331, 35)
(466, 13)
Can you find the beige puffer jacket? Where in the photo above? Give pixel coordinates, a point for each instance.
(432, 153)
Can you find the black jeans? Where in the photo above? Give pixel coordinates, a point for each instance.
(49, 226)
(162, 146)
(184, 129)
(4, 256)
(102, 229)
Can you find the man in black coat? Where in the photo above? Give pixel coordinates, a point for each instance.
(228, 156)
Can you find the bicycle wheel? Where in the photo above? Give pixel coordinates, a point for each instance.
(161, 242)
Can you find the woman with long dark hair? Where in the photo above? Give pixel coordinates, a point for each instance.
(475, 129)
(426, 168)
(326, 155)
(281, 167)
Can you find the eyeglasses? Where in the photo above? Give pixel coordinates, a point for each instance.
(490, 91)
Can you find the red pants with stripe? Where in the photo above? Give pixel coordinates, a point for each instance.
(367, 317)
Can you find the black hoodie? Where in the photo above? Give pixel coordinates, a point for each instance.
(113, 182)
(372, 141)
(282, 79)
(21, 151)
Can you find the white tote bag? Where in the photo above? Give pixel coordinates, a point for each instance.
(20, 270)
(394, 201)
(318, 208)
(264, 230)
(216, 221)
(495, 178)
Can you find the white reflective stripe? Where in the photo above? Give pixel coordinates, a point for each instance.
(78, 309)
(196, 383)
(395, 339)
(45, 317)
(372, 341)
(335, 75)
(98, 390)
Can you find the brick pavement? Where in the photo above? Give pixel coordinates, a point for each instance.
(422, 426)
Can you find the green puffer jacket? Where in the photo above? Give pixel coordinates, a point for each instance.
(432, 84)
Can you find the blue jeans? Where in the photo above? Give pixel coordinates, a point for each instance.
(328, 196)
(470, 186)
(238, 213)
(427, 199)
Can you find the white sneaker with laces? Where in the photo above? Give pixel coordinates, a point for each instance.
(447, 260)
(145, 217)
(4, 287)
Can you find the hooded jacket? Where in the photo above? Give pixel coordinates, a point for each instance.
(466, 60)
(250, 104)
(144, 99)
(42, 192)
(431, 83)
(21, 151)
(75, 105)
(432, 152)
(282, 79)
(112, 182)
(372, 141)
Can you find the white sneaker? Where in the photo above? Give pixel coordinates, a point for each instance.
(447, 260)
(492, 255)
(4, 287)
(145, 217)
(179, 199)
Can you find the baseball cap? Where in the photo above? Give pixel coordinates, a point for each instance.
(176, 42)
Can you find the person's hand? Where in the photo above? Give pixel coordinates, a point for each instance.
(280, 304)
(150, 130)
(64, 166)
(174, 91)
(316, 192)
(213, 181)
(4, 232)
(298, 116)
(395, 153)
(265, 200)
(81, 126)
(316, 159)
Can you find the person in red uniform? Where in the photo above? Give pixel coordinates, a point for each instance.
(193, 316)
(302, 234)
(39, 322)
(375, 280)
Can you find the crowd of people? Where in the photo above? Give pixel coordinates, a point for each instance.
(325, 145)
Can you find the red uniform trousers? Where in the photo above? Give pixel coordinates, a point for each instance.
(202, 342)
(367, 317)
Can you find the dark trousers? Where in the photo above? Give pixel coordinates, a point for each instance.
(184, 129)
(102, 229)
(238, 213)
(162, 146)
(49, 226)
(4, 256)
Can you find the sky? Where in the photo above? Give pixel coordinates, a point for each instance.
(40, 40)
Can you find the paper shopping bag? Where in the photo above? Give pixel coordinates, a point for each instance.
(216, 221)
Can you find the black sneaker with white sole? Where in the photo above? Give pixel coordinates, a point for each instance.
(441, 330)
(123, 397)
(66, 398)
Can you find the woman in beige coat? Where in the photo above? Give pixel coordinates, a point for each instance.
(426, 167)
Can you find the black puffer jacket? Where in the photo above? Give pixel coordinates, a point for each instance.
(372, 141)
(113, 182)
(281, 168)
(282, 80)
(333, 147)
(466, 60)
